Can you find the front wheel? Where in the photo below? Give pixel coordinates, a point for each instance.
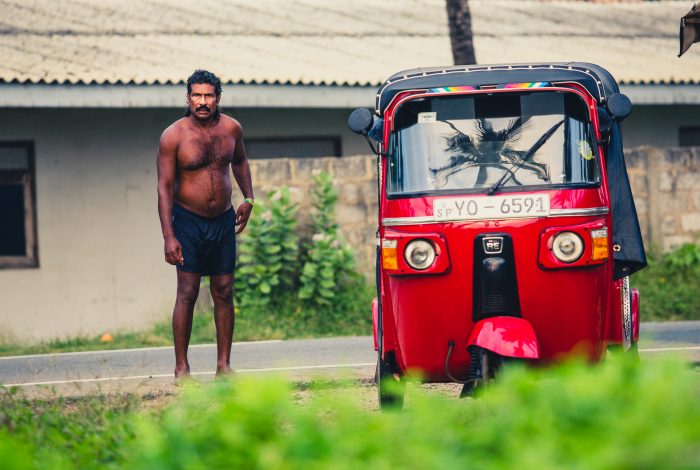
(485, 367)
(391, 389)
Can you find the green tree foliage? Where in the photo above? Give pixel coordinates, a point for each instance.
(329, 264)
(268, 260)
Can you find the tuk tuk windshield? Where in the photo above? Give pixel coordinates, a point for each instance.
(467, 143)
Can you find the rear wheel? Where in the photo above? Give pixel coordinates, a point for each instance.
(391, 388)
(619, 350)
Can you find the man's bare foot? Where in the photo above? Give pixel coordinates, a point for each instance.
(223, 373)
(182, 375)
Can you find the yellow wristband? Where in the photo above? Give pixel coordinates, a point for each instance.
(249, 200)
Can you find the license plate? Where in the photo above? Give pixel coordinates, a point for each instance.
(491, 207)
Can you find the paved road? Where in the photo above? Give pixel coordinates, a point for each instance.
(144, 369)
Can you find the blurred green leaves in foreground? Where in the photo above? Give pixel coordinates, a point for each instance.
(617, 415)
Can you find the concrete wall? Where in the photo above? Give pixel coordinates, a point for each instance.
(356, 208)
(666, 187)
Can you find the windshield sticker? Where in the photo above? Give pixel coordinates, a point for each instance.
(585, 150)
(526, 85)
(449, 89)
(427, 117)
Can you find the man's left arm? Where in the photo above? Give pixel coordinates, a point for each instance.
(241, 172)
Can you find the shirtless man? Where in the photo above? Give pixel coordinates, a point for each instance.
(196, 215)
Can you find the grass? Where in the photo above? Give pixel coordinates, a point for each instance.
(618, 415)
(59, 433)
(287, 318)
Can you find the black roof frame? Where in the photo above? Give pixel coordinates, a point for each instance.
(594, 78)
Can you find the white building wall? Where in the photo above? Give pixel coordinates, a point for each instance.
(100, 261)
(657, 125)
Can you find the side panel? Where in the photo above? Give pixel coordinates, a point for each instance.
(375, 318)
(635, 315)
(614, 334)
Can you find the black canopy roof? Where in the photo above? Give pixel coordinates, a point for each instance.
(594, 78)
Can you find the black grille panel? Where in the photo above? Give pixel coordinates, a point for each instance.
(495, 283)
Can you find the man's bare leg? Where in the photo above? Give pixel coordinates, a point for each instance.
(187, 292)
(224, 317)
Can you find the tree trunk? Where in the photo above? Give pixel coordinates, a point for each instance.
(460, 21)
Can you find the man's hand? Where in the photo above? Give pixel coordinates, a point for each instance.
(173, 251)
(242, 215)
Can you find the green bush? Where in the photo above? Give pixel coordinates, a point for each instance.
(329, 265)
(13, 454)
(268, 259)
(277, 299)
(668, 286)
(616, 416)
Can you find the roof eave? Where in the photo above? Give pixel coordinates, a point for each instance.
(44, 95)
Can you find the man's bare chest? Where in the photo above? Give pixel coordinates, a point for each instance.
(200, 152)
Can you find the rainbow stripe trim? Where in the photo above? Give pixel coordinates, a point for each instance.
(449, 89)
(526, 85)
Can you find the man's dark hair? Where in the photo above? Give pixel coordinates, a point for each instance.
(200, 77)
(203, 76)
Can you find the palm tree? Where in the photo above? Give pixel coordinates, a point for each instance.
(460, 22)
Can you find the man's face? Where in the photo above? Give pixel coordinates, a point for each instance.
(203, 101)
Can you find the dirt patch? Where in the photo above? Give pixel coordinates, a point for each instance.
(155, 397)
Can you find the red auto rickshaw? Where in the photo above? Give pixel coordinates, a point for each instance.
(507, 228)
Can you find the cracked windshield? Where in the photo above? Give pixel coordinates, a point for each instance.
(531, 141)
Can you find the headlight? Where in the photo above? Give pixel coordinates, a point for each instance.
(567, 247)
(419, 254)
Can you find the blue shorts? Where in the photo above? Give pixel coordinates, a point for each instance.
(208, 244)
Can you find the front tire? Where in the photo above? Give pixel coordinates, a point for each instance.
(486, 366)
(391, 389)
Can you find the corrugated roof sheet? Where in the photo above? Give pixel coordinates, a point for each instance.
(344, 42)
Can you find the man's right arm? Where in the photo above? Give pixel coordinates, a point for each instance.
(166, 161)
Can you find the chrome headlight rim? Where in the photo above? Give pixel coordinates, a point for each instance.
(412, 247)
(567, 247)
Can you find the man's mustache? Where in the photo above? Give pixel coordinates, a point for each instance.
(203, 108)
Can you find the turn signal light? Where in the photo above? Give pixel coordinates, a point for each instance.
(390, 258)
(599, 240)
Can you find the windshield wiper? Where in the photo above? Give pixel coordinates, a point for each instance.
(526, 156)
